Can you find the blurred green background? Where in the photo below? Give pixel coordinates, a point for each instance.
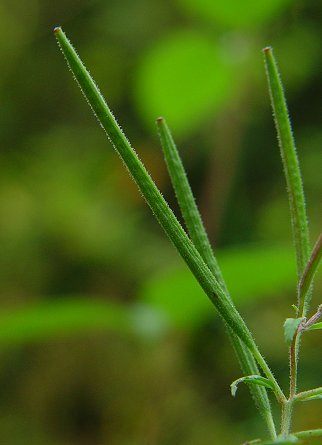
(104, 336)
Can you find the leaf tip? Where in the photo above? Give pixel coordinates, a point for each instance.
(267, 50)
(233, 389)
(57, 29)
(159, 120)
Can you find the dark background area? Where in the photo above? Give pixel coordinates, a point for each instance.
(105, 337)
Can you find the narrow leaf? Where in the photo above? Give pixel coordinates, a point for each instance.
(199, 237)
(290, 327)
(315, 326)
(310, 269)
(186, 200)
(309, 399)
(313, 320)
(248, 366)
(253, 380)
(291, 168)
(307, 396)
(253, 442)
(308, 433)
(196, 229)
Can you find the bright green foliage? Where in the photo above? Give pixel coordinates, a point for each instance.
(77, 315)
(58, 318)
(186, 62)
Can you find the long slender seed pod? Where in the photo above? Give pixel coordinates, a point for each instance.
(159, 207)
(186, 201)
(296, 198)
(291, 167)
(199, 237)
(310, 269)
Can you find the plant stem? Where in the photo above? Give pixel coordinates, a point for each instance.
(249, 366)
(311, 321)
(286, 417)
(160, 208)
(262, 363)
(293, 365)
(287, 408)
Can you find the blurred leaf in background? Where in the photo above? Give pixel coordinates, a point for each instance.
(236, 14)
(185, 77)
(177, 294)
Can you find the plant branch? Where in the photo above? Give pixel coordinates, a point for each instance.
(293, 366)
(311, 321)
(286, 417)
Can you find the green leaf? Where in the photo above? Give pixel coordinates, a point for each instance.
(290, 327)
(76, 316)
(62, 317)
(185, 77)
(315, 326)
(253, 380)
